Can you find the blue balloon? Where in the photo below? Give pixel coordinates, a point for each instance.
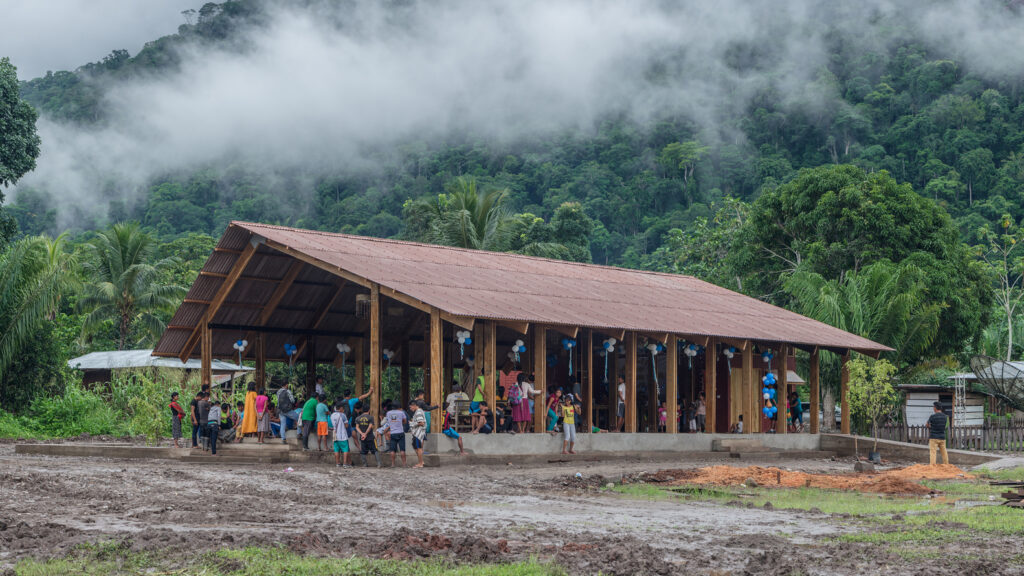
(469, 341)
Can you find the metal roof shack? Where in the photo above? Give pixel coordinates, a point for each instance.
(274, 285)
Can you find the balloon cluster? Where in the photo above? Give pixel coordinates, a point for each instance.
(729, 353)
(343, 349)
(769, 411)
(769, 379)
(240, 345)
(654, 348)
(463, 337)
(518, 348)
(767, 356)
(388, 354)
(291, 350)
(568, 344)
(607, 349)
(690, 350)
(769, 393)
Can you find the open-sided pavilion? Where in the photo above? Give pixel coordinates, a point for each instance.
(276, 286)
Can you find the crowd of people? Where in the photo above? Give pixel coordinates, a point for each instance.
(346, 424)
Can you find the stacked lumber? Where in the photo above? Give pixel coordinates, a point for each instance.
(1015, 497)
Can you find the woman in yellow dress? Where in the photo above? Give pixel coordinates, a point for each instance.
(249, 416)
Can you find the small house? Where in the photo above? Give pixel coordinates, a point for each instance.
(99, 367)
(920, 399)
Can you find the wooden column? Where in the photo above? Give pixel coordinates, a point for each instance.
(405, 373)
(844, 394)
(261, 360)
(360, 366)
(815, 382)
(491, 364)
(588, 395)
(710, 384)
(782, 400)
(671, 383)
(752, 406)
(613, 385)
(435, 334)
(206, 353)
(540, 374)
(630, 382)
(311, 367)
(479, 354)
(375, 351)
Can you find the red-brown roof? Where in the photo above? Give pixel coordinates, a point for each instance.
(499, 286)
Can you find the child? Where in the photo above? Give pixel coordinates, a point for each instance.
(339, 421)
(364, 432)
(448, 430)
(213, 418)
(553, 402)
(176, 415)
(568, 425)
(662, 418)
(419, 431)
(262, 421)
(396, 419)
(322, 423)
(737, 428)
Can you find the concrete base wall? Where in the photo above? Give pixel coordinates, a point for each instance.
(843, 445)
(100, 450)
(537, 444)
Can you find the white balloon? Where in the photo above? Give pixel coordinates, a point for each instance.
(612, 341)
(462, 340)
(767, 396)
(519, 343)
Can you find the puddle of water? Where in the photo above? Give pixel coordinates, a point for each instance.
(974, 503)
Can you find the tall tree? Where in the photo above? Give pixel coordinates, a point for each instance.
(1000, 251)
(35, 273)
(19, 143)
(124, 286)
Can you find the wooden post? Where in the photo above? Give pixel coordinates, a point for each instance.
(479, 355)
(206, 353)
(360, 366)
(630, 382)
(261, 360)
(540, 374)
(375, 351)
(436, 372)
(588, 397)
(613, 386)
(844, 394)
(815, 378)
(782, 400)
(491, 364)
(752, 392)
(671, 383)
(311, 367)
(405, 373)
(710, 384)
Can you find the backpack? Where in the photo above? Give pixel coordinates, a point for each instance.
(515, 395)
(285, 402)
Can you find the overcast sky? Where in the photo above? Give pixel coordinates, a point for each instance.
(41, 35)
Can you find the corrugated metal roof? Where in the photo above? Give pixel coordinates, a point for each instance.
(124, 359)
(500, 286)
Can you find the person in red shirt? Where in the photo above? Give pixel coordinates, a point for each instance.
(176, 415)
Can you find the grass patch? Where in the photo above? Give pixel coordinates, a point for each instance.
(1006, 475)
(103, 559)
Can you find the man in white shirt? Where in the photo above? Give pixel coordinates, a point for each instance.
(456, 395)
(620, 409)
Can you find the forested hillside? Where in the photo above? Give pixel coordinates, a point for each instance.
(893, 154)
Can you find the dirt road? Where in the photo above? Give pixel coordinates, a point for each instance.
(473, 513)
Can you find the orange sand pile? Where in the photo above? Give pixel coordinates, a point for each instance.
(898, 481)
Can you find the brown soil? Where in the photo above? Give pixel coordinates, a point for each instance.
(896, 481)
(468, 514)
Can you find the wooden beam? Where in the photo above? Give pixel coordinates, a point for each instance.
(436, 370)
(844, 394)
(815, 382)
(588, 397)
(613, 384)
(517, 327)
(619, 335)
(405, 299)
(283, 286)
(737, 344)
(631, 369)
(540, 374)
(479, 353)
(782, 399)
(375, 352)
(752, 410)
(491, 357)
(298, 255)
(464, 322)
(671, 383)
(222, 293)
(567, 331)
(278, 330)
(206, 354)
(711, 386)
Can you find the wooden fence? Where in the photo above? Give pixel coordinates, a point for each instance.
(994, 436)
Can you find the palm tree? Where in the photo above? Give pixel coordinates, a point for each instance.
(465, 217)
(124, 286)
(884, 302)
(35, 273)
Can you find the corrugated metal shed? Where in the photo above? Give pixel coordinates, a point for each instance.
(475, 284)
(125, 359)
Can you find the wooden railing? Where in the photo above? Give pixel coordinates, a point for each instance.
(996, 436)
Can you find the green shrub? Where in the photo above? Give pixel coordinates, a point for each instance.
(77, 412)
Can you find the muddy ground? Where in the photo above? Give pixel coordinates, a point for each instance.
(471, 513)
